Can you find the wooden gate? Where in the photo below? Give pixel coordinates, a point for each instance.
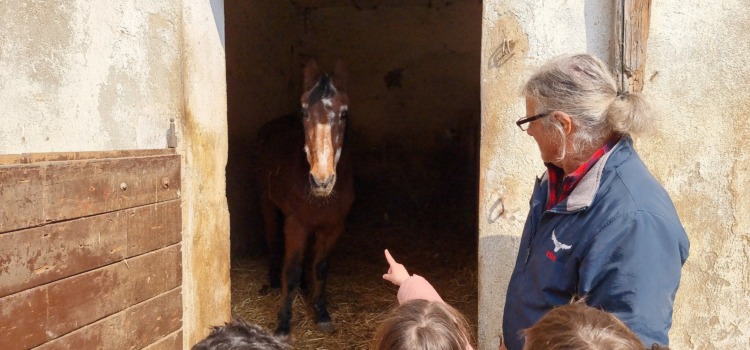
(90, 250)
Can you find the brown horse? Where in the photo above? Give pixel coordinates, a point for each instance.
(307, 189)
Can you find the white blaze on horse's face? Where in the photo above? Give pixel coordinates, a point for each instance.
(324, 166)
(323, 107)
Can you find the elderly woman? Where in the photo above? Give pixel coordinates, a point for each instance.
(599, 225)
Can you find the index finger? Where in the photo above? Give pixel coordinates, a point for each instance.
(390, 259)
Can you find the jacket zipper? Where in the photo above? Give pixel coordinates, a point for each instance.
(536, 227)
(532, 236)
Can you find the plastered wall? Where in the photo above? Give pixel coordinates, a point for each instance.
(108, 75)
(204, 146)
(86, 76)
(697, 73)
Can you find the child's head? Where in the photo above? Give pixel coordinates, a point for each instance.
(577, 326)
(240, 335)
(420, 324)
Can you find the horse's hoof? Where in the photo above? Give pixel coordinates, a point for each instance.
(326, 327)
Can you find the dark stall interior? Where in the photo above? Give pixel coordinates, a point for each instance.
(414, 86)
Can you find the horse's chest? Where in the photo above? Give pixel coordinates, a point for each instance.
(313, 212)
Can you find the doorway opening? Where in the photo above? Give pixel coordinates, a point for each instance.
(414, 87)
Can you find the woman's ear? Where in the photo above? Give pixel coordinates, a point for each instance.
(564, 120)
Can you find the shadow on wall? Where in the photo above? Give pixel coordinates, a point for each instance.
(497, 258)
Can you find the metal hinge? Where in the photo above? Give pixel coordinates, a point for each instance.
(171, 135)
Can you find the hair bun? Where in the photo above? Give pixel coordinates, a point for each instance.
(629, 113)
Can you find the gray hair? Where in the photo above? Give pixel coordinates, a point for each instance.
(241, 335)
(582, 86)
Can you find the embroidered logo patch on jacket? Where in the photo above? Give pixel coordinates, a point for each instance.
(558, 245)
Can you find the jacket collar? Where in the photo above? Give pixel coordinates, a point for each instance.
(583, 194)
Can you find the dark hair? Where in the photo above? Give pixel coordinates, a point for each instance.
(420, 325)
(577, 326)
(240, 335)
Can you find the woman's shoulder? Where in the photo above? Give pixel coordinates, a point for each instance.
(636, 184)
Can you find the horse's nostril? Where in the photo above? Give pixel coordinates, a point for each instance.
(322, 182)
(331, 180)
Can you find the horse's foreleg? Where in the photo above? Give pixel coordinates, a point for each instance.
(324, 243)
(294, 245)
(274, 238)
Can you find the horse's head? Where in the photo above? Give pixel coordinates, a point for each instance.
(324, 109)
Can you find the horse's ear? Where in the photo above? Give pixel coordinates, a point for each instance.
(311, 74)
(340, 76)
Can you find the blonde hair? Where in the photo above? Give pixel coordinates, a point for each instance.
(577, 326)
(421, 325)
(582, 86)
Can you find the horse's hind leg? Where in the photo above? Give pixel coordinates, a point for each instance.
(294, 245)
(324, 242)
(273, 217)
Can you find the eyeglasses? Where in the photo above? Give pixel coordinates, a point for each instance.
(523, 122)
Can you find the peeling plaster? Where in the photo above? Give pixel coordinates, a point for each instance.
(81, 75)
(204, 146)
(700, 96)
(56, 59)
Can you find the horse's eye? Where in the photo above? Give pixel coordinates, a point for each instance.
(344, 115)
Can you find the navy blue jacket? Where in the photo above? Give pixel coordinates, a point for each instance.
(616, 240)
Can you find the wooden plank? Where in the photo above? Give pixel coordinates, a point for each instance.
(29, 158)
(107, 333)
(637, 24)
(83, 188)
(84, 244)
(618, 23)
(154, 226)
(23, 320)
(37, 302)
(170, 342)
(53, 310)
(155, 273)
(154, 319)
(81, 300)
(21, 197)
(60, 250)
(169, 180)
(629, 42)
